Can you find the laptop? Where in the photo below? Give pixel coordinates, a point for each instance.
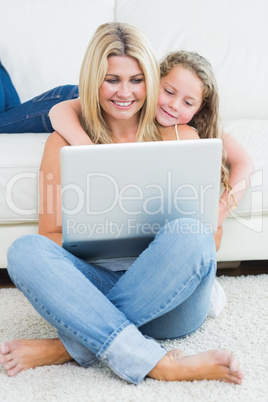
(116, 197)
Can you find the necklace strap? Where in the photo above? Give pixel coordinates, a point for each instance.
(176, 130)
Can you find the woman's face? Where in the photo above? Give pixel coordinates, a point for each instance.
(180, 97)
(123, 92)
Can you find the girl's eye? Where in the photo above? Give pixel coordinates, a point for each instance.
(188, 103)
(168, 92)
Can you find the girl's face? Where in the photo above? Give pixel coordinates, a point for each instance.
(180, 97)
(123, 92)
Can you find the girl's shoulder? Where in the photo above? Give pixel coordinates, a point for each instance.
(186, 132)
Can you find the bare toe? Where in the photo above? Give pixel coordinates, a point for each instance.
(4, 349)
(14, 371)
(234, 364)
(2, 359)
(10, 365)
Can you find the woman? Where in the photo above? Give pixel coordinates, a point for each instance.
(98, 311)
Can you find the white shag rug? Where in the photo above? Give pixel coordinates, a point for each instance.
(242, 328)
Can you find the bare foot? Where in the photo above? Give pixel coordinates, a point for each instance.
(212, 365)
(21, 354)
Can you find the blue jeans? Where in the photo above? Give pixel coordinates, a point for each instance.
(8, 94)
(101, 314)
(31, 116)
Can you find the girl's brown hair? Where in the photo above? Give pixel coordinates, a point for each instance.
(206, 121)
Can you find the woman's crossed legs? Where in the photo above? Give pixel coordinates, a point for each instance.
(94, 310)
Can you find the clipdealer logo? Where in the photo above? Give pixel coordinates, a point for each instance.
(135, 228)
(21, 180)
(133, 199)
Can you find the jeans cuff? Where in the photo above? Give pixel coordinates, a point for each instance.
(131, 355)
(82, 355)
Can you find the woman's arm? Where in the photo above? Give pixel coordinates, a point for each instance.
(64, 118)
(241, 167)
(50, 189)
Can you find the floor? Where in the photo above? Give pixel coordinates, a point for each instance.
(234, 269)
(245, 268)
(5, 281)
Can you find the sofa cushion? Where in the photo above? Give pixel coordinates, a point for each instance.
(20, 157)
(42, 43)
(231, 34)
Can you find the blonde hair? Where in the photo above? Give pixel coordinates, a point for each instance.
(117, 39)
(206, 120)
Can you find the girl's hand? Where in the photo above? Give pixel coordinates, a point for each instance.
(218, 237)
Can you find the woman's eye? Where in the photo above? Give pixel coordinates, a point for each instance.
(112, 81)
(136, 80)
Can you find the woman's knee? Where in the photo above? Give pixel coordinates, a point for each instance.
(188, 237)
(23, 252)
(187, 230)
(186, 226)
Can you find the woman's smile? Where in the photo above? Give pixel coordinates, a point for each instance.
(123, 105)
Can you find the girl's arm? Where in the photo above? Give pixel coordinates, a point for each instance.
(241, 167)
(218, 238)
(50, 190)
(64, 117)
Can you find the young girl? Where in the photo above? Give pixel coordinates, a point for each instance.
(189, 97)
(188, 108)
(102, 313)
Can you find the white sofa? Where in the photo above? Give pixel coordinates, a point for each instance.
(42, 44)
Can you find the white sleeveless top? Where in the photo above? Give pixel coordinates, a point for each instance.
(176, 130)
(177, 134)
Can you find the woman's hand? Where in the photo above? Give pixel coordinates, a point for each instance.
(218, 237)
